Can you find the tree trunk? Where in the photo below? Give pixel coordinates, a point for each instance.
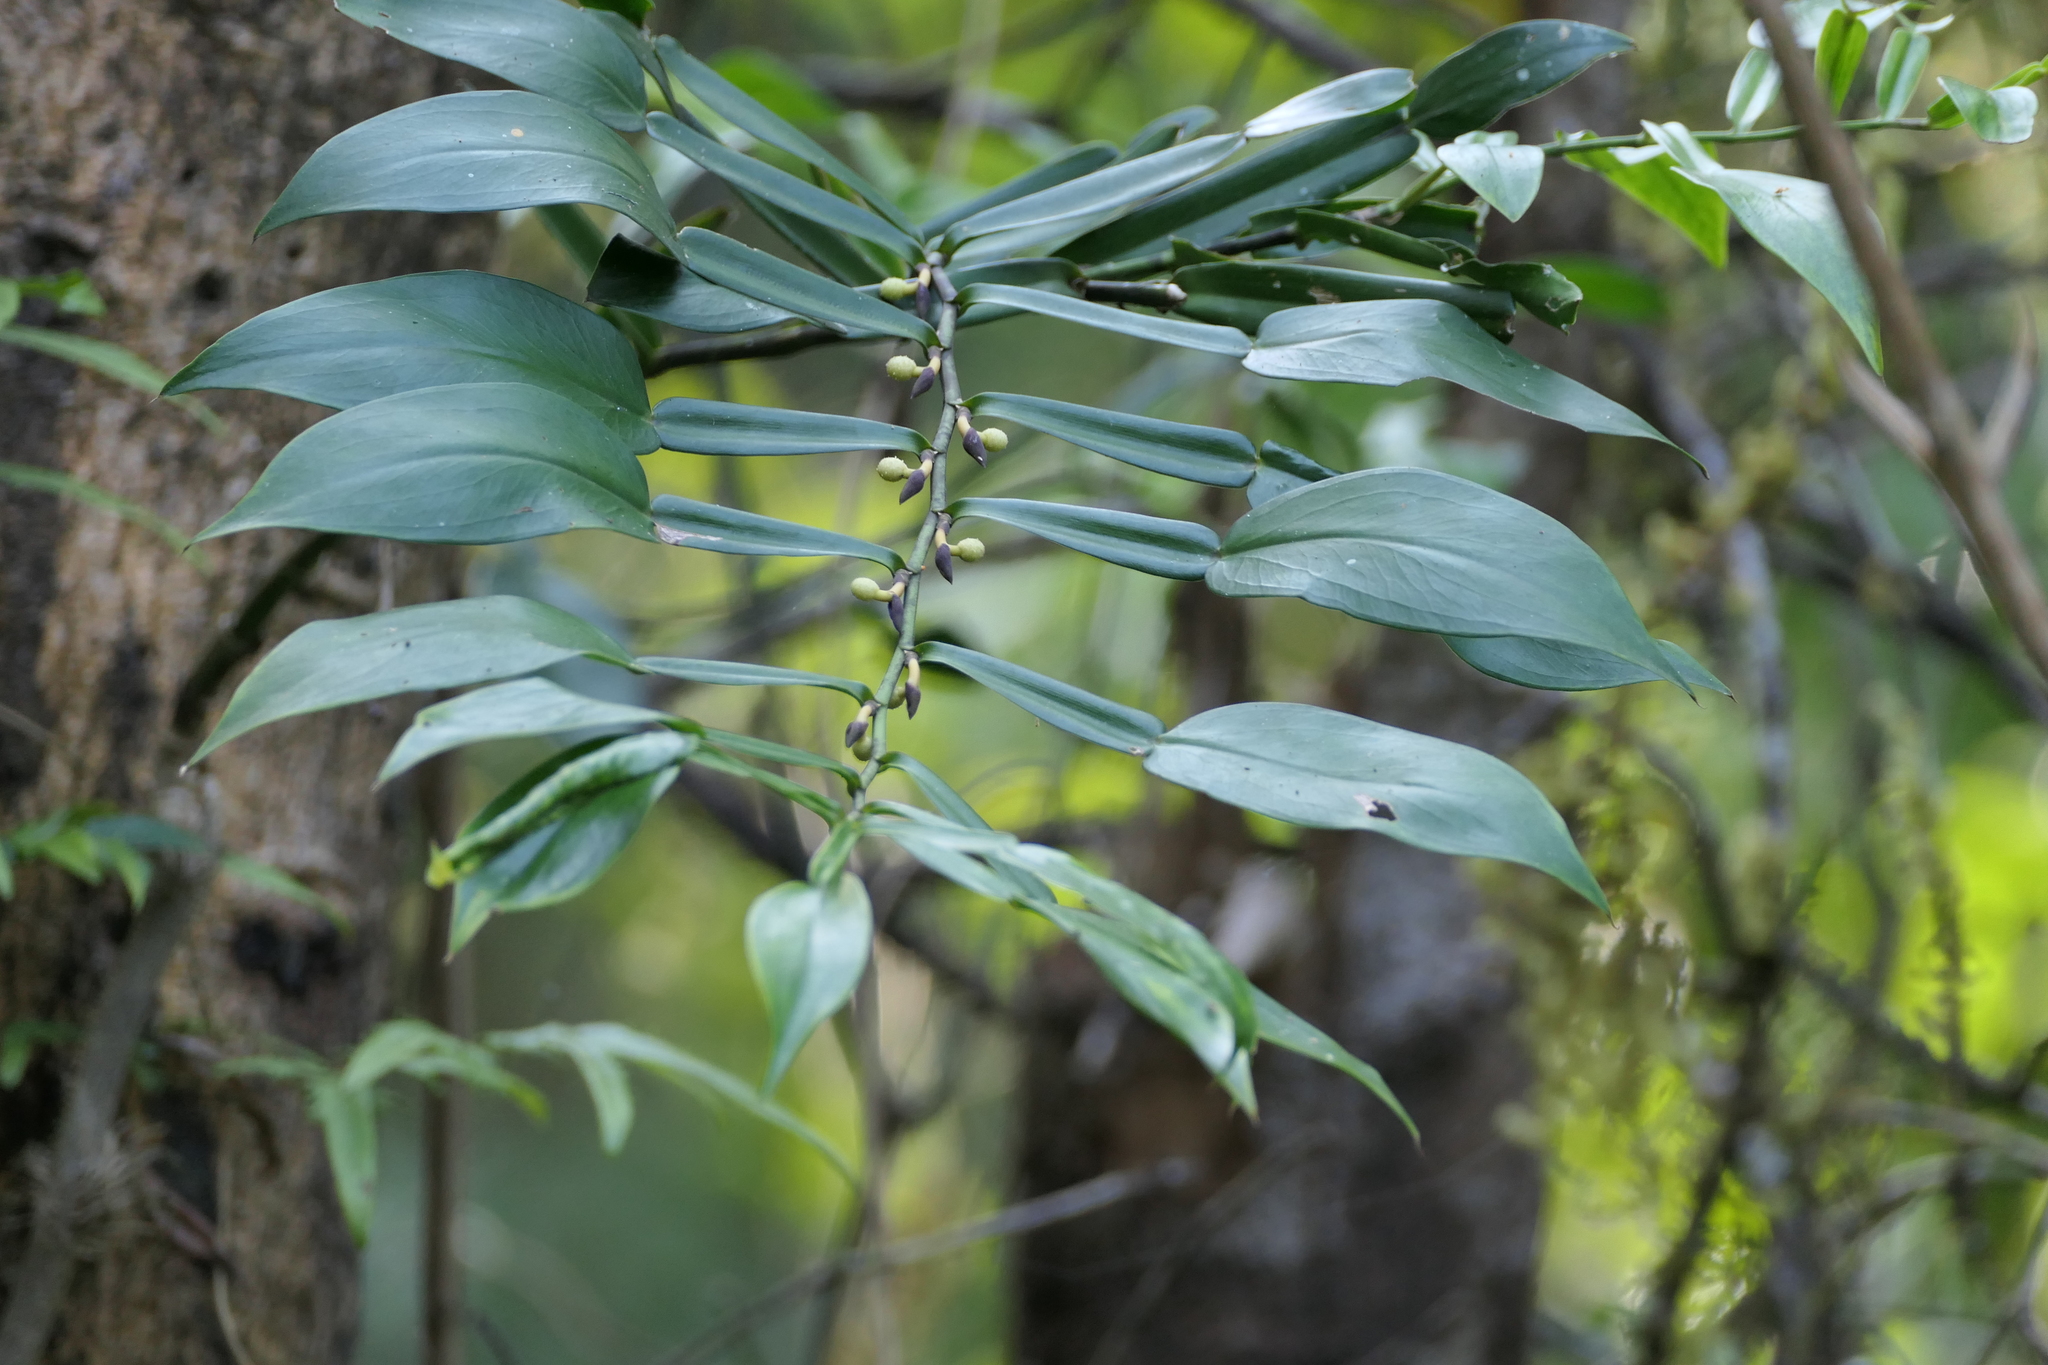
(141, 142)
(1322, 1235)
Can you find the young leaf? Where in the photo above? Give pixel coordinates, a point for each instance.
(1361, 92)
(1843, 39)
(807, 946)
(547, 47)
(1093, 718)
(1559, 667)
(1999, 116)
(611, 1094)
(1154, 545)
(474, 152)
(774, 281)
(366, 341)
(1421, 550)
(1900, 70)
(1071, 164)
(1508, 67)
(513, 710)
(1196, 336)
(1754, 89)
(470, 464)
(1282, 1027)
(1397, 342)
(729, 673)
(1067, 210)
(1326, 770)
(1210, 455)
(704, 427)
(707, 526)
(1504, 175)
(413, 649)
(415, 1048)
(1243, 294)
(657, 286)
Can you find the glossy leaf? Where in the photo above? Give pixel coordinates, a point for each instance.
(1361, 92)
(707, 526)
(1397, 342)
(1093, 718)
(1839, 55)
(1071, 164)
(1900, 70)
(1508, 67)
(1422, 550)
(362, 342)
(1066, 210)
(1168, 130)
(735, 673)
(471, 464)
(657, 286)
(1547, 292)
(1243, 294)
(1211, 455)
(838, 255)
(1196, 336)
(513, 710)
(705, 427)
(774, 281)
(1327, 770)
(1154, 545)
(474, 152)
(807, 946)
(1998, 116)
(1753, 90)
(543, 45)
(1282, 1027)
(1649, 176)
(1504, 175)
(1571, 668)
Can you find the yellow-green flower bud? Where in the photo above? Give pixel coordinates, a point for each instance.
(995, 438)
(895, 287)
(902, 367)
(868, 590)
(891, 470)
(902, 691)
(864, 748)
(969, 549)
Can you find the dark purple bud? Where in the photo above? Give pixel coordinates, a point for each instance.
(923, 381)
(913, 485)
(858, 729)
(896, 613)
(912, 695)
(942, 555)
(972, 440)
(924, 298)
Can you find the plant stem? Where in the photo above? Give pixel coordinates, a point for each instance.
(1861, 125)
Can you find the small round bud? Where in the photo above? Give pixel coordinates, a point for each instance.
(895, 287)
(892, 470)
(995, 438)
(902, 367)
(864, 748)
(902, 691)
(868, 590)
(969, 549)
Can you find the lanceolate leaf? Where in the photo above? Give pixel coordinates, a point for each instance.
(1396, 342)
(1326, 770)
(470, 464)
(711, 428)
(1754, 89)
(808, 946)
(1508, 67)
(707, 526)
(1422, 550)
(773, 281)
(1648, 176)
(1210, 455)
(367, 341)
(474, 152)
(1573, 668)
(1154, 545)
(1093, 718)
(1166, 130)
(1282, 1027)
(1899, 73)
(543, 45)
(1196, 336)
(1067, 210)
(413, 649)
(1243, 294)
(830, 250)
(1068, 165)
(649, 283)
(1362, 92)
(732, 673)
(513, 710)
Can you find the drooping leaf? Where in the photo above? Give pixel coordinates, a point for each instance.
(470, 464)
(1361, 92)
(549, 48)
(1543, 289)
(38, 479)
(1065, 211)
(415, 1048)
(1282, 1027)
(1167, 130)
(611, 1093)
(807, 946)
(512, 710)
(1071, 164)
(707, 526)
(1093, 718)
(362, 342)
(1508, 67)
(1998, 116)
(774, 281)
(1900, 70)
(1397, 342)
(348, 1124)
(824, 807)
(1422, 550)
(1649, 176)
(657, 286)
(413, 649)
(117, 363)
(1154, 545)
(705, 427)
(733, 673)
(1573, 668)
(1211, 455)
(474, 152)
(1326, 770)
(1196, 336)
(1753, 90)
(1504, 175)
(1243, 294)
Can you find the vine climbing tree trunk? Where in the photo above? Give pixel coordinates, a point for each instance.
(141, 143)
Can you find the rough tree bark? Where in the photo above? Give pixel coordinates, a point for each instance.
(1321, 1235)
(141, 143)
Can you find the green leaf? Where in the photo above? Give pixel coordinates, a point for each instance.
(611, 1094)
(1210, 455)
(1361, 92)
(474, 152)
(727, 673)
(413, 649)
(821, 806)
(1401, 341)
(657, 286)
(362, 342)
(1166, 997)
(704, 427)
(1325, 770)
(115, 362)
(415, 1048)
(1840, 54)
(1508, 67)
(1282, 1027)
(936, 789)
(1154, 545)
(1282, 470)
(42, 480)
(1559, 667)
(632, 10)
(1542, 289)
(1168, 130)
(1196, 336)
(1314, 225)
(543, 45)
(779, 187)
(1900, 70)
(707, 526)
(1504, 175)
(10, 305)
(1068, 165)
(513, 710)
(1093, 718)
(1754, 89)
(838, 255)
(1067, 210)
(1612, 289)
(470, 464)
(807, 946)
(1420, 550)
(771, 280)
(1648, 176)
(1243, 294)
(348, 1121)
(1998, 116)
